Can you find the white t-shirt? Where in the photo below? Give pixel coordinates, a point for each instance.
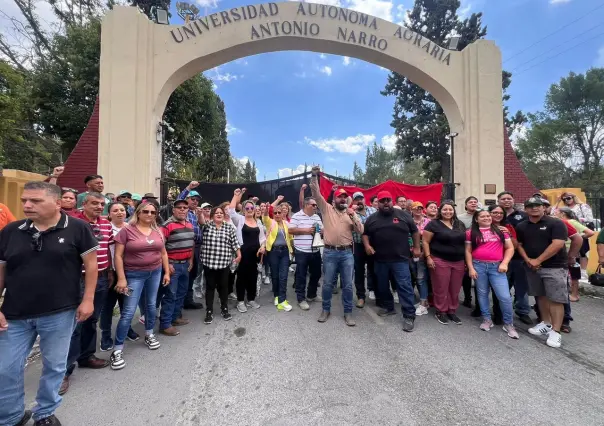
(302, 220)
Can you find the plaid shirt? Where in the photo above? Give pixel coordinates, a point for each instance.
(218, 245)
(192, 217)
(356, 237)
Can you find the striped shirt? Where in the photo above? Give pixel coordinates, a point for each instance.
(302, 220)
(363, 218)
(180, 239)
(103, 232)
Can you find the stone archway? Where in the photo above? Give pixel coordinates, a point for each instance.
(142, 63)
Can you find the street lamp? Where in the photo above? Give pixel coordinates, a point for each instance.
(160, 16)
(452, 137)
(454, 42)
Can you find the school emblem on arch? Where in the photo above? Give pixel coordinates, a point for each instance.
(187, 11)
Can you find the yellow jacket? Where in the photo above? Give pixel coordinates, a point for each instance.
(271, 233)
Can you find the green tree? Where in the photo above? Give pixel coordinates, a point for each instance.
(357, 173)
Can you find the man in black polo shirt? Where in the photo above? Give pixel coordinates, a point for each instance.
(40, 266)
(541, 245)
(516, 272)
(386, 238)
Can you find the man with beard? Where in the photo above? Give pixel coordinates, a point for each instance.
(360, 257)
(386, 239)
(339, 221)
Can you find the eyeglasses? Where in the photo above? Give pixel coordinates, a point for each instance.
(314, 204)
(151, 212)
(181, 208)
(36, 242)
(250, 208)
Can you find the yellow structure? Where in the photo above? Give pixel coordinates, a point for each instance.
(11, 187)
(553, 195)
(142, 63)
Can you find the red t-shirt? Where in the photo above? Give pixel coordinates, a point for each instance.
(103, 232)
(141, 252)
(571, 229)
(491, 248)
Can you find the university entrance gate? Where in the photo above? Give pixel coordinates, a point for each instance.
(142, 63)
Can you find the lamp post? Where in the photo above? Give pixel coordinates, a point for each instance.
(452, 137)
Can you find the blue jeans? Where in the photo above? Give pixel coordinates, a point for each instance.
(517, 278)
(307, 262)
(338, 262)
(278, 258)
(15, 345)
(138, 281)
(421, 274)
(488, 274)
(400, 274)
(174, 295)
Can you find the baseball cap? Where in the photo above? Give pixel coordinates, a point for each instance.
(357, 194)
(149, 195)
(384, 194)
(204, 205)
(533, 201)
(177, 202)
(193, 194)
(340, 192)
(137, 197)
(124, 192)
(546, 202)
(416, 204)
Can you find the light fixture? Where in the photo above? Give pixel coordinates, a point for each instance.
(160, 16)
(454, 42)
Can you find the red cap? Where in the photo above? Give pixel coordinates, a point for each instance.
(340, 191)
(384, 194)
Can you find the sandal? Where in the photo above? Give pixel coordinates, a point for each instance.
(565, 328)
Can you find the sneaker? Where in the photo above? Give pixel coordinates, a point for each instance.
(395, 296)
(226, 315)
(284, 306)
(421, 310)
(476, 313)
(291, 269)
(314, 299)
(386, 312)
(132, 335)
(117, 362)
(525, 318)
(253, 304)
(276, 301)
(361, 303)
(304, 305)
(48, 421)
(106, 344)
(241, 307)
(454, 318)
(209, 318)
(554, 339)
(267, 280)
(372, 295)
(25, 419)
(141, 319)
(511, 331)
(486, 325)
(232, 296)
(540, 329)
(152, 342)
(442, 318)
(408, 324)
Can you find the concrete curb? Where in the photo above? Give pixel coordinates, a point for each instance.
(587, 289)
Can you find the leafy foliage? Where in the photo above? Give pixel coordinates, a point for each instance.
(382, 165)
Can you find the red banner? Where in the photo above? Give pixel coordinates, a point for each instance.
(422, 193)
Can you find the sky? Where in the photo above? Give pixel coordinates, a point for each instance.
(286, 109)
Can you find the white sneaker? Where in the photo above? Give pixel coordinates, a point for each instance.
(241, 307)
(315, 299)
(276, 301)
(421, 310)
(253, 304)
(117, 361)
(291, 269)
(372, 295)
(540, 329)
(232, 296)
(554, 339)
(304, 305)
(395, 295)
(267, 280)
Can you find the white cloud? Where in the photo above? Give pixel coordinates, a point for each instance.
(325, 70)
(559, 1)
(389, 142)
(349, 145)
(285, 172)
(232, 130)
(208, 4)
(464, 12)
(323, 56)
(218, 77)
(518, 133)
(380, 8)
(301, 74)
(346, 61)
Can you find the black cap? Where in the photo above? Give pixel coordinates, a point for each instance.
(180, 202)
(533, 201)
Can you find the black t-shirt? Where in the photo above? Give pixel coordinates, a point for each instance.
(447, 244)
(536, 237)
(389, 235)
(516, 217)
(47, 281)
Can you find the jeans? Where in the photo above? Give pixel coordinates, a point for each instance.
(311, 263)
(517, 278)
(174, 295)
(107, 311)
(278, 259)
(137, 281)
(446, 282)
(192, 275)
(84, 337)
(360, 260)
(421, 275)
(55, 332)
(400, 274)
(488, 274)
(338, 262)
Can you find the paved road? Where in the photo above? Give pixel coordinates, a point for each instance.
(270, 368)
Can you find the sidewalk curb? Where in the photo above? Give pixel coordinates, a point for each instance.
(587, 289)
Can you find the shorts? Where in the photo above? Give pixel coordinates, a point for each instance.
(549, 282)
(575, 272)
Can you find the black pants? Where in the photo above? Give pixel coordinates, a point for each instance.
(84, 338)
(467, 288)
(192, 275)
(232, 276)
(360, 260)
(247, 274)
(217, 280)
(307, 264)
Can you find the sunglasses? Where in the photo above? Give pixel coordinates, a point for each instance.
(567, 198)
(69, 190)
(36, 242)
(314, 204)
(276, 213)
(151, 212)
(181, 208)
(250, 208)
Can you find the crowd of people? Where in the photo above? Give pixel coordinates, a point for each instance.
(77, 255)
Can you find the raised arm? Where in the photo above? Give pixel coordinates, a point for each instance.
(277, 201)
(57, 171)
(301, 196)
(316, 191)
(192, 185)
(237, 194)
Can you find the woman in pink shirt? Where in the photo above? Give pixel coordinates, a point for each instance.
(488, 253)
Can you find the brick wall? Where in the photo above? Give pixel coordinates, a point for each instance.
(514, 177)
(83, 159)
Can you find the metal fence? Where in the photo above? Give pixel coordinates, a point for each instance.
(596, 202)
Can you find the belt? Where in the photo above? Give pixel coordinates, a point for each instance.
(339, 248)
(278, 248)
(178, 261)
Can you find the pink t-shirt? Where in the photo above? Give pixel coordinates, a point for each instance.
(141, 252)
(491, 249)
